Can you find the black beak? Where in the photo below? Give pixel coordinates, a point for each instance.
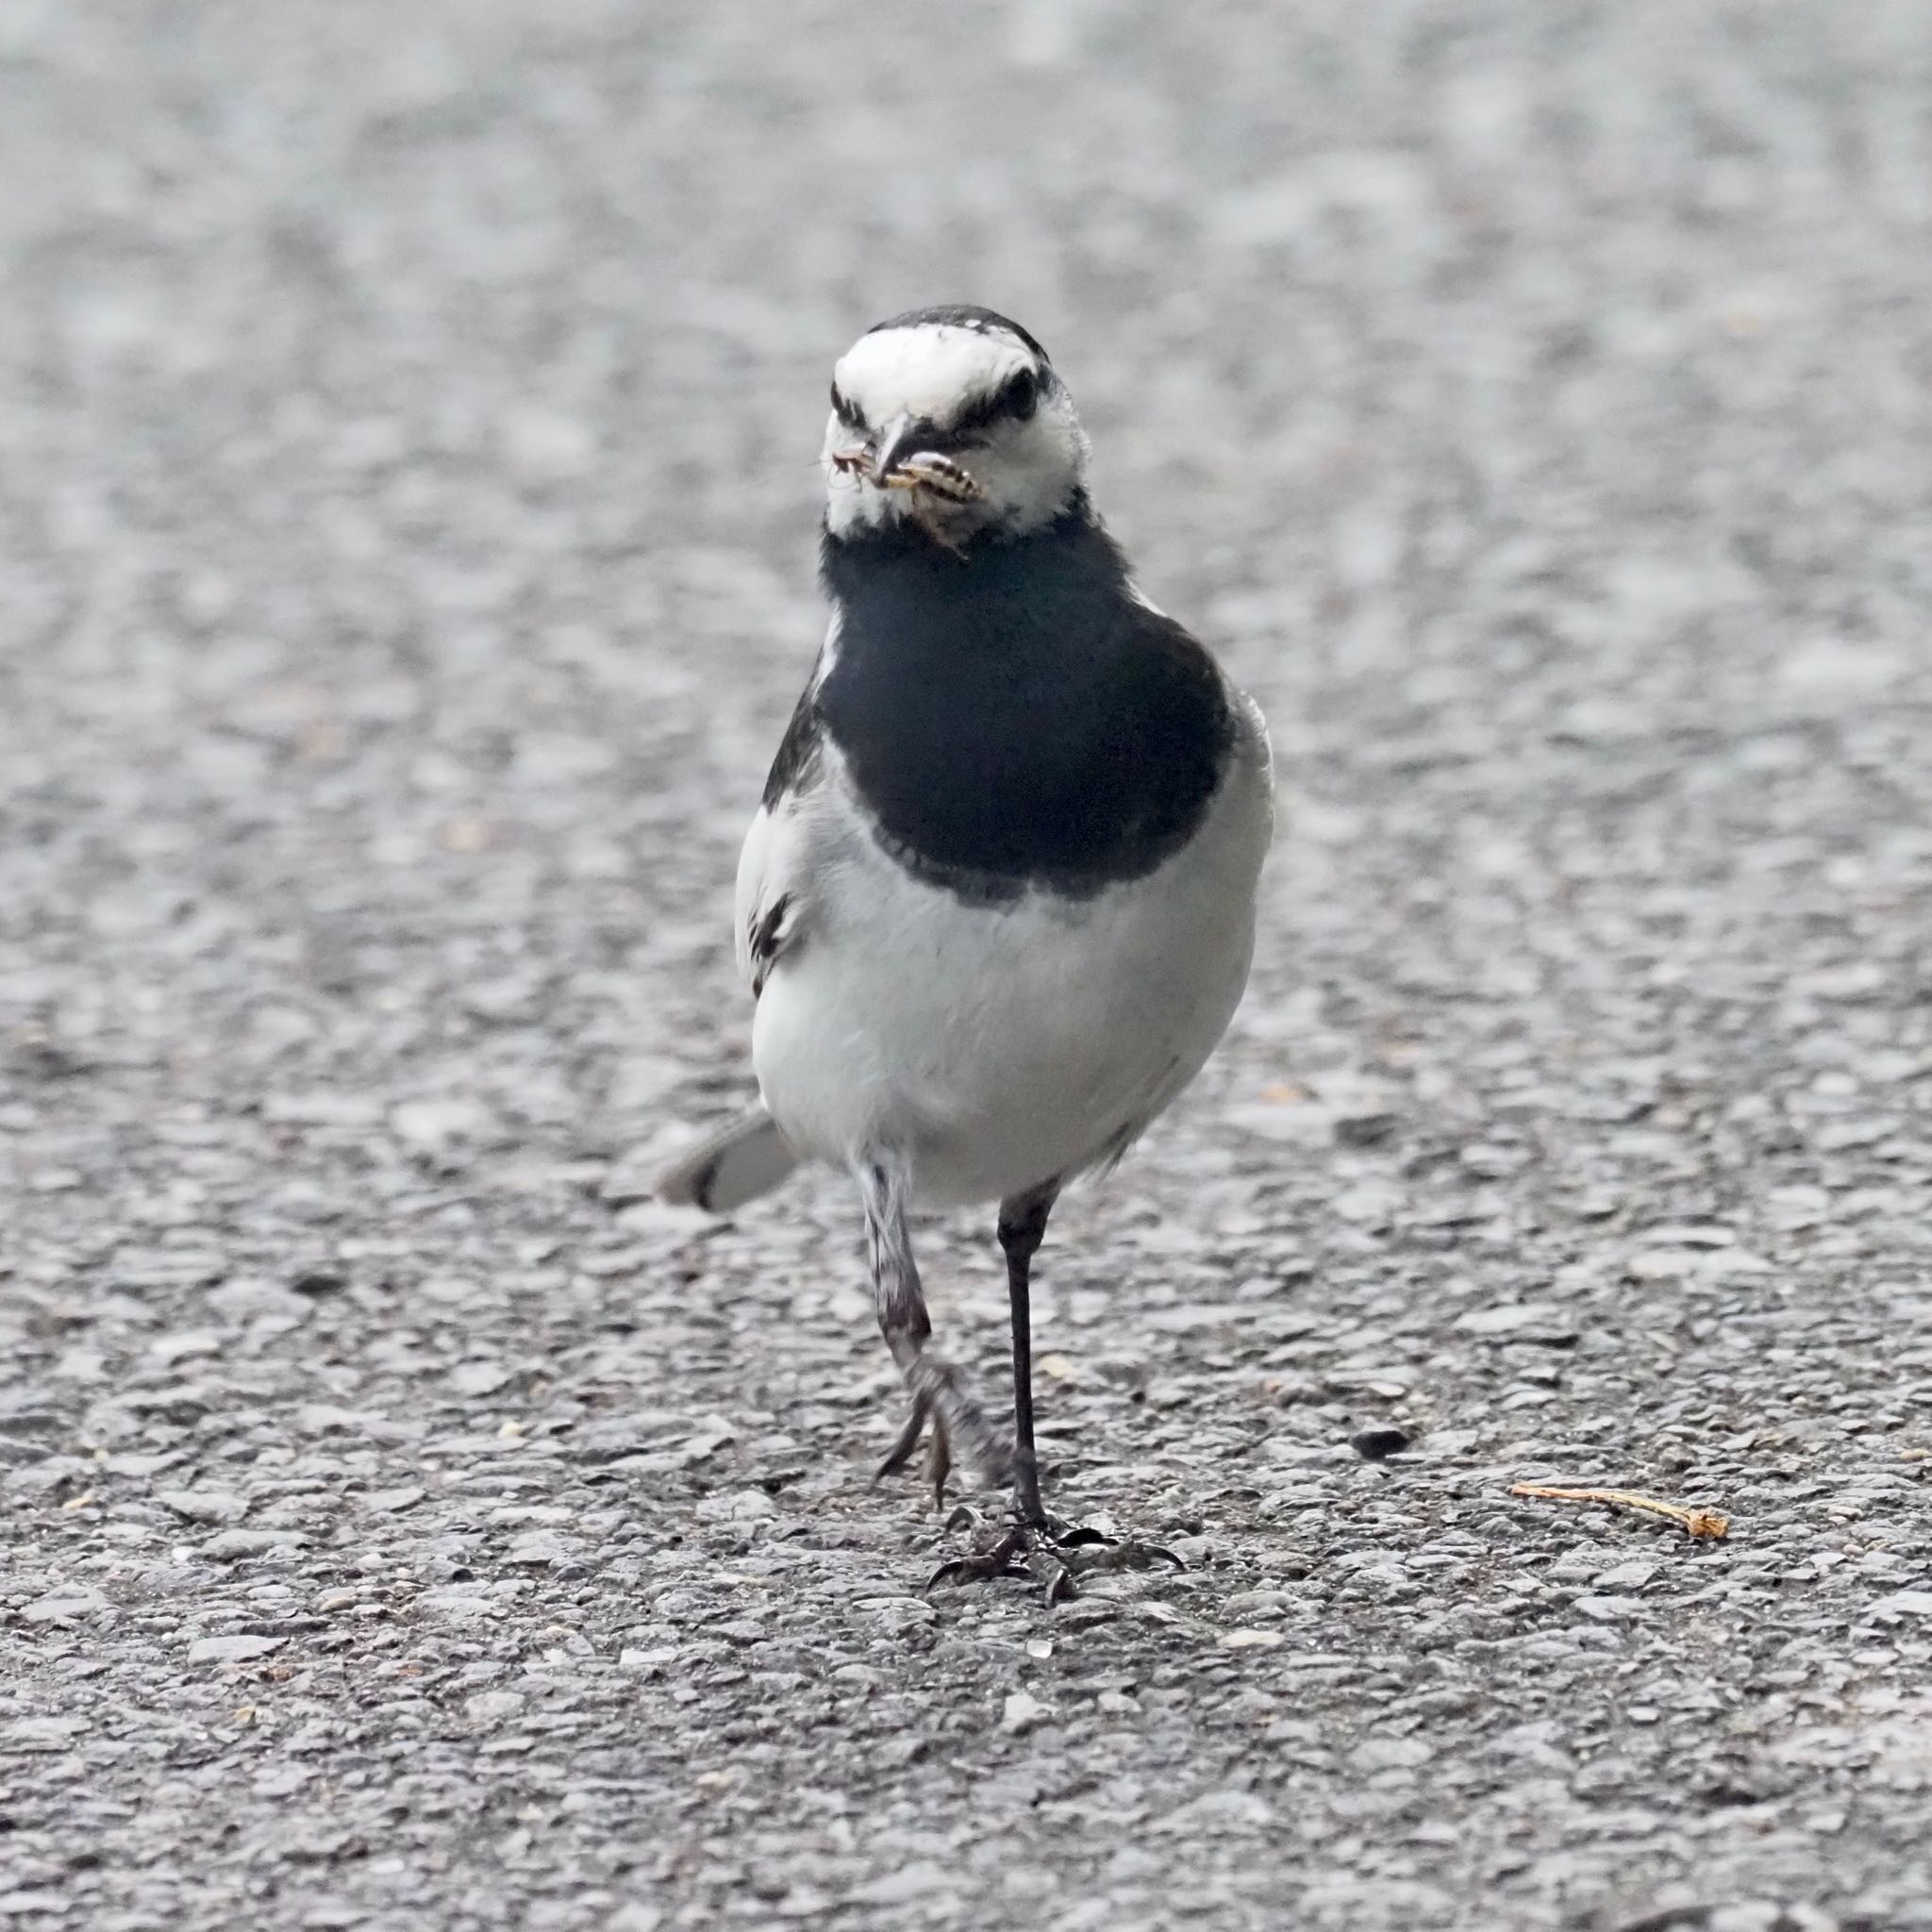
(901, 437)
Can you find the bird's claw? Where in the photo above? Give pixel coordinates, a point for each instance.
(939, 1456)
(1130, 1553)
(1079, 1536)
(938, 1403)
(1028, 1541)
(1017, 1552)
(1051, 1554)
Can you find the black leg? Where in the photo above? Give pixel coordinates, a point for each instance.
(1033, 1543)
(937, 1398)
(1022, 1226)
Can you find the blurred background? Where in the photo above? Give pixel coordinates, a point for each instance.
(407, 501)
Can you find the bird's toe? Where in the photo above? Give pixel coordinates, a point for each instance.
(962, 1436)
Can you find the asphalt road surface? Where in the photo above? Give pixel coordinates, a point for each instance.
(407, 501)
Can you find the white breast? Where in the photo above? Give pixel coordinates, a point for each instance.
(995, 1046)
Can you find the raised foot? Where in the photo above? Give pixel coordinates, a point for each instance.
(1051, 1554)
(960, 1434)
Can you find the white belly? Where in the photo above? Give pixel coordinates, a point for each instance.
(998, 1047)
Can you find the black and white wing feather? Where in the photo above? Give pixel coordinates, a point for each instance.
(776, 865)
(772, 915)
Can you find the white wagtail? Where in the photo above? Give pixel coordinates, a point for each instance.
(998, 904)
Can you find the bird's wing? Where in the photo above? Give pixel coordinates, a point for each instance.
(781, 855)
(774, 900)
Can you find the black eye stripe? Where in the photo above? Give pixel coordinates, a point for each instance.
(1015, 400)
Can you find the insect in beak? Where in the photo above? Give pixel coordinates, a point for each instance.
(934, 482)
(929, 471)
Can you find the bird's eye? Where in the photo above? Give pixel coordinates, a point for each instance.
(1015, 401)
(846, 411)
(1021, 396)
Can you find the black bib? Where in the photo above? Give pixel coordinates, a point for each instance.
(1015, 717)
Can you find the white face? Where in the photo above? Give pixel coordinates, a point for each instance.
(968, 398)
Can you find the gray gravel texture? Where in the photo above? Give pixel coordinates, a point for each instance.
(407, 517)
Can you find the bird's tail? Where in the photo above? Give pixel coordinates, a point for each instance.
(746, 1159)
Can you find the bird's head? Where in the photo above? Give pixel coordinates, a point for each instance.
(950, 422)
